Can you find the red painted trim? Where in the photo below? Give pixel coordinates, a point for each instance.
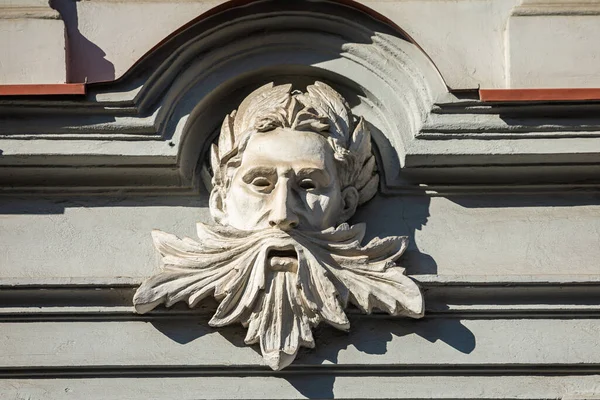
(44, 89)
(565, 94)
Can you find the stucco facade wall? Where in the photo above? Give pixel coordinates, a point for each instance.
(474, 43)
(500, 200)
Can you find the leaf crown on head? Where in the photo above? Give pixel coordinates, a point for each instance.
(321, 110)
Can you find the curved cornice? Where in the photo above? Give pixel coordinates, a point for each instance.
(234, 9)
(146, 131)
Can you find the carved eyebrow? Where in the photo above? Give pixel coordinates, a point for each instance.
(314, 173)
(255, 172)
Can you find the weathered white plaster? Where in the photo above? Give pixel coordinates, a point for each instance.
(558, 7)
(32, 43)
(465, 39)
(473, 43)
(510, 274)
(108, 37)
(301, 387)
(289, 170)
(553, 50)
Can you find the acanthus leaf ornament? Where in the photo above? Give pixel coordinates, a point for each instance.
(289, 170)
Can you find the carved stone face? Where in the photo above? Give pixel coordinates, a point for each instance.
(289, 169)
(287, 180)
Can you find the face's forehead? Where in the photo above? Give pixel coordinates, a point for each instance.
(286, 147)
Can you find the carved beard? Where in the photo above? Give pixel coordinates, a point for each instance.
(282, 284)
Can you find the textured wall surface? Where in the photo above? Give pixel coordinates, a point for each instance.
(511, 288)
(473, 43)
(32, 43)
(500, 201)
(495, 235)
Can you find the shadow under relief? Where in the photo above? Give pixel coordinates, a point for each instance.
(372, 340)
(86, 61)
(368, 336)
(399, 216)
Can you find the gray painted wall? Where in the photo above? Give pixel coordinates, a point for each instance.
(500, 201)
(511, 286)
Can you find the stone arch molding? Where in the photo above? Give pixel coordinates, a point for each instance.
(151, 131)
(281, 258)
(148, 131)
(212, 65)
(387, 79)
(290, 168)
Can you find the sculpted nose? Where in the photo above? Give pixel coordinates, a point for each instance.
(282, 215)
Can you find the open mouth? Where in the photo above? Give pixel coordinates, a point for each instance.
(283, 259)
(283, 253)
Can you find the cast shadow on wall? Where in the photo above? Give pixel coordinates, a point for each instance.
(399, 216)
(377, 339)
(86, 61)
(372, 336)
(368, 336)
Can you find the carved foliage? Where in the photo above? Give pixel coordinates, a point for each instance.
(280, 306)
(322, 110)
(274, 262)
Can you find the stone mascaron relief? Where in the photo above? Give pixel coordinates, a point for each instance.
(290, 169)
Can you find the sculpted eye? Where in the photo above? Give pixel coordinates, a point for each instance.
(307, 184)
(261, 182)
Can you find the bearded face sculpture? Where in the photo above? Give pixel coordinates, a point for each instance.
(290, 169)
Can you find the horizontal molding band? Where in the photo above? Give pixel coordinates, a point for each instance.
(493, 190)
(92, 316)
(136, 135)
(125, 371)
(552, 297)
(518, 133)
(428, 280)
(446, 190)
(565, 9)
(539, 109)
(27, 12)
(75, 191)
(549, 94)
(124, 133)
(41, 89)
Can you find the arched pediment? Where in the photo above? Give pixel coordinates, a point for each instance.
(193, 79)
(150, 129)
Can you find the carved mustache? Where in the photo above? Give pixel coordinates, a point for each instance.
(277, 296)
